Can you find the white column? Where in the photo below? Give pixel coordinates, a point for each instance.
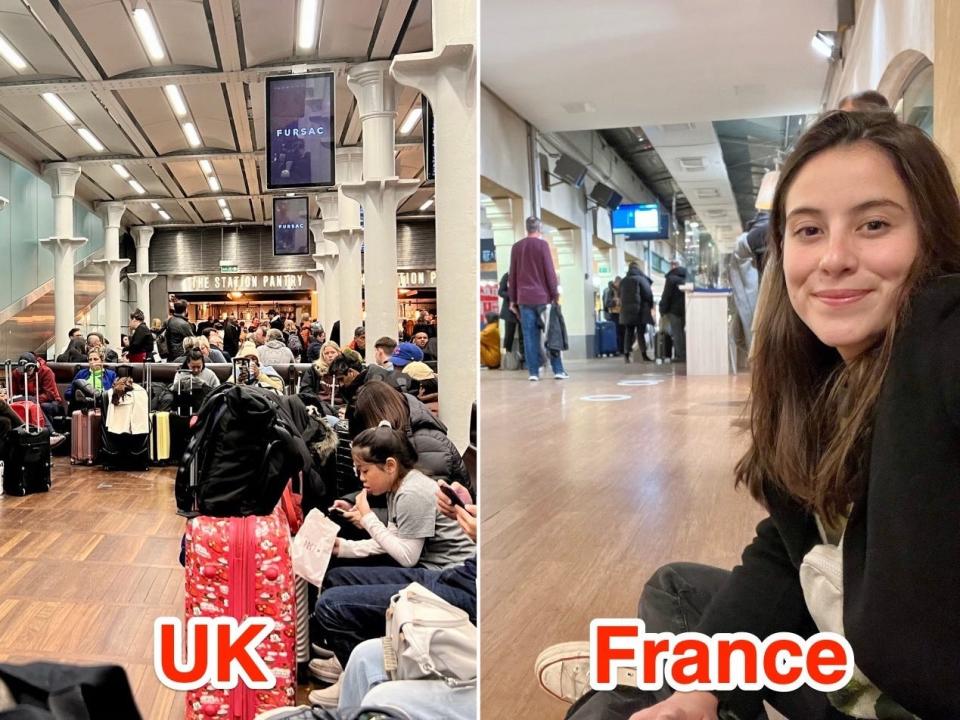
(143, 277)
(349, 236)
(112, 212)
(380, 192)
(316, 229)
(448, 77)
(326, 248)
(63, 180)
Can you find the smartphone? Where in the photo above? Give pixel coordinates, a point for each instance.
(452, 494)
(241, 370)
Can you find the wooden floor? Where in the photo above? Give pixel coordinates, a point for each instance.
(86, 568)
(581, 501)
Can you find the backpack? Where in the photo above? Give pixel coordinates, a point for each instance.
(244, 450)
(162, 348)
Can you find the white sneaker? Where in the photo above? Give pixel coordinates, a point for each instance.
(534, 378)
(327, 697)
(561, 376)
(563, 670)
(326, 670)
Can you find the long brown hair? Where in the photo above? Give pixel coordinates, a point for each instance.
(377, 401)
(811, 414)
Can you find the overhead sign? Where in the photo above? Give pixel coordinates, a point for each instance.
(300, 113)
(417, 278)
(246, 282)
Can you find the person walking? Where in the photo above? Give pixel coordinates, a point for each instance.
(533, 286)
(673, 309)
(636, 305)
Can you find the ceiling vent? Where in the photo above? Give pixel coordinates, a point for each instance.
(692, 164)
(707, 193)
(678, 127)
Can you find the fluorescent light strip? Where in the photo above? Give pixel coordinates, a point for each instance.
(91, 139)
(213, 183)
(307, 24)
(206, 167)
(227, 215)
(11, 56)
(148, 33)
(155, 206)
(121, 171)
(222, 203)
(193, 137)
(54, 101)
(410, 122)
(164, 214)
(137, 186)
(426, 205)
(175, 97)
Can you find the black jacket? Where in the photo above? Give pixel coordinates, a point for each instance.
(672, 301)
(901, 575)
(506, 314)
(141, 341)
(438, 456)
(636, 299)
(178, 328)
(231, 338)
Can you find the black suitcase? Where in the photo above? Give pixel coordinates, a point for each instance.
(663, 346)
(27, 466)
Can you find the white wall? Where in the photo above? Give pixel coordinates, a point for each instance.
(503, 145)
(883, 30)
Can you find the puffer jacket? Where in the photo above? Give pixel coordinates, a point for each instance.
(178, 328)
(438, 456)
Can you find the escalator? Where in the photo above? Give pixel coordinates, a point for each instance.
(28, 324)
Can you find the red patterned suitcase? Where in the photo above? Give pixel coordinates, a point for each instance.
(241, 567)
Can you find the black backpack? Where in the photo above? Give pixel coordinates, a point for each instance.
(244, 450)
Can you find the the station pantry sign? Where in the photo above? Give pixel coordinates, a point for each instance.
(246, 282)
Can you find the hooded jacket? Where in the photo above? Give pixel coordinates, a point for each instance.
(276, 353)
(636, 298)
(49, 392)
(672, 301)
(438, 456)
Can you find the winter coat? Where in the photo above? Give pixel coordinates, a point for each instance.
(556, 338)
(313, 351)
(506, 314)
(231, 338)
(490, 346)
(636, 299)
(275, 353)
(178, 328)
(141, 344)
(108, 379)
(315, 384)
(49, 392)
(672, 301)
(438, 456)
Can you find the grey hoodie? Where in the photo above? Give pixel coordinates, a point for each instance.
(275, 353)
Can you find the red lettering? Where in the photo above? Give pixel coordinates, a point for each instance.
(651, 649)
(726, 648)
(195, 637)
(698, 661)
(823, 654)
(240, 651)
(771, 665)
(607, 654)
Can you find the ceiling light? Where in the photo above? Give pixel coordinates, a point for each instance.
(227, 215)
(11, 55)
(222, 203)
(54, 101)
(155, 206)
(307, 24)
(426, 205)
(121, 171)
(410, 122)
(137, 186)
(193, 137)
(206, 167)
(176, 100)
(148, 33)
(213, 183)
(164, 214)
(290, 194)
(825, 43)
(91, 139)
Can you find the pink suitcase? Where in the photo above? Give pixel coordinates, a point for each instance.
(242, 567)
(84, 436)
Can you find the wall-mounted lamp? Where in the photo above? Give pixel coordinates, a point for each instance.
(827, 44)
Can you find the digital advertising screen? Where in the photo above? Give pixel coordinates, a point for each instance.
(291, 226)
(640, 222)
(429, 143)
(300, 130)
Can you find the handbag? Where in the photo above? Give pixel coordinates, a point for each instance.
(313, 546)
(427, 638)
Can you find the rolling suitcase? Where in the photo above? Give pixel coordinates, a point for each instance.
(27, 466)
(241, 567)
(84, 436)
(605, 338)
(160, 437)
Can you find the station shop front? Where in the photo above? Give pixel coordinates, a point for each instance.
(248, 296)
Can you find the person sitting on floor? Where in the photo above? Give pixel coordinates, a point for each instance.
(490, 342)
